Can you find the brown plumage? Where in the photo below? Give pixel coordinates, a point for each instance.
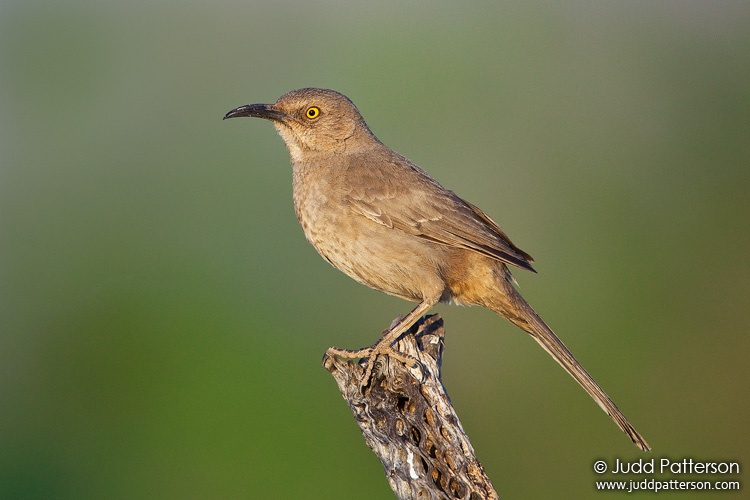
(385, 222)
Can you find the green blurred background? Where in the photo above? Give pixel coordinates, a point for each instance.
(162, 318)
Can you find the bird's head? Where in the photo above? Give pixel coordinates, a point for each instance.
(311, 121)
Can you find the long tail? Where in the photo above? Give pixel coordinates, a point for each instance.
(514, 308)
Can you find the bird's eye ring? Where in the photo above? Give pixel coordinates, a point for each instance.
(312, 112)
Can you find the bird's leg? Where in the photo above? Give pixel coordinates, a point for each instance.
(385, 344)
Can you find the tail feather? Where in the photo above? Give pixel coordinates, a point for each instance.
(520, 313)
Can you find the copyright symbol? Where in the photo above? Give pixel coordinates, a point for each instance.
(600, 466)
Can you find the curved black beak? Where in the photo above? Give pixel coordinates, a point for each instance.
(256, 110)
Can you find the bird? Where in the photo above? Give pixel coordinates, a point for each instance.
(385, 222)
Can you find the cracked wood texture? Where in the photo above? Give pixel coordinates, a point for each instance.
(407, 419)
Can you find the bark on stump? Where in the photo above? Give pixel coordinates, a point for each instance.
(407, 419)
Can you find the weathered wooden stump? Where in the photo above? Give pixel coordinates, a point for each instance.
(407, 419)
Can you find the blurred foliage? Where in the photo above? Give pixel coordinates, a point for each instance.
(162, 318)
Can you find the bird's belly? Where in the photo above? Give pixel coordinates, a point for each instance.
(382, 258)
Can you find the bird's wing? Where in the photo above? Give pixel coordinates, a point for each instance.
(401, 196)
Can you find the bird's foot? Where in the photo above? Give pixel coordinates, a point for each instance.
(370, 354)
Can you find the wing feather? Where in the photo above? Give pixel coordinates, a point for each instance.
(429, 211)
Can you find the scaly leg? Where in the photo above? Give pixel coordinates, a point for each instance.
(385, 344)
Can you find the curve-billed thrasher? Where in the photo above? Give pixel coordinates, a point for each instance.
(385, 222)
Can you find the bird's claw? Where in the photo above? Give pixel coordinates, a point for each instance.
(370, 355)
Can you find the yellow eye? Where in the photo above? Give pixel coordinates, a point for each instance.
(312, 112)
